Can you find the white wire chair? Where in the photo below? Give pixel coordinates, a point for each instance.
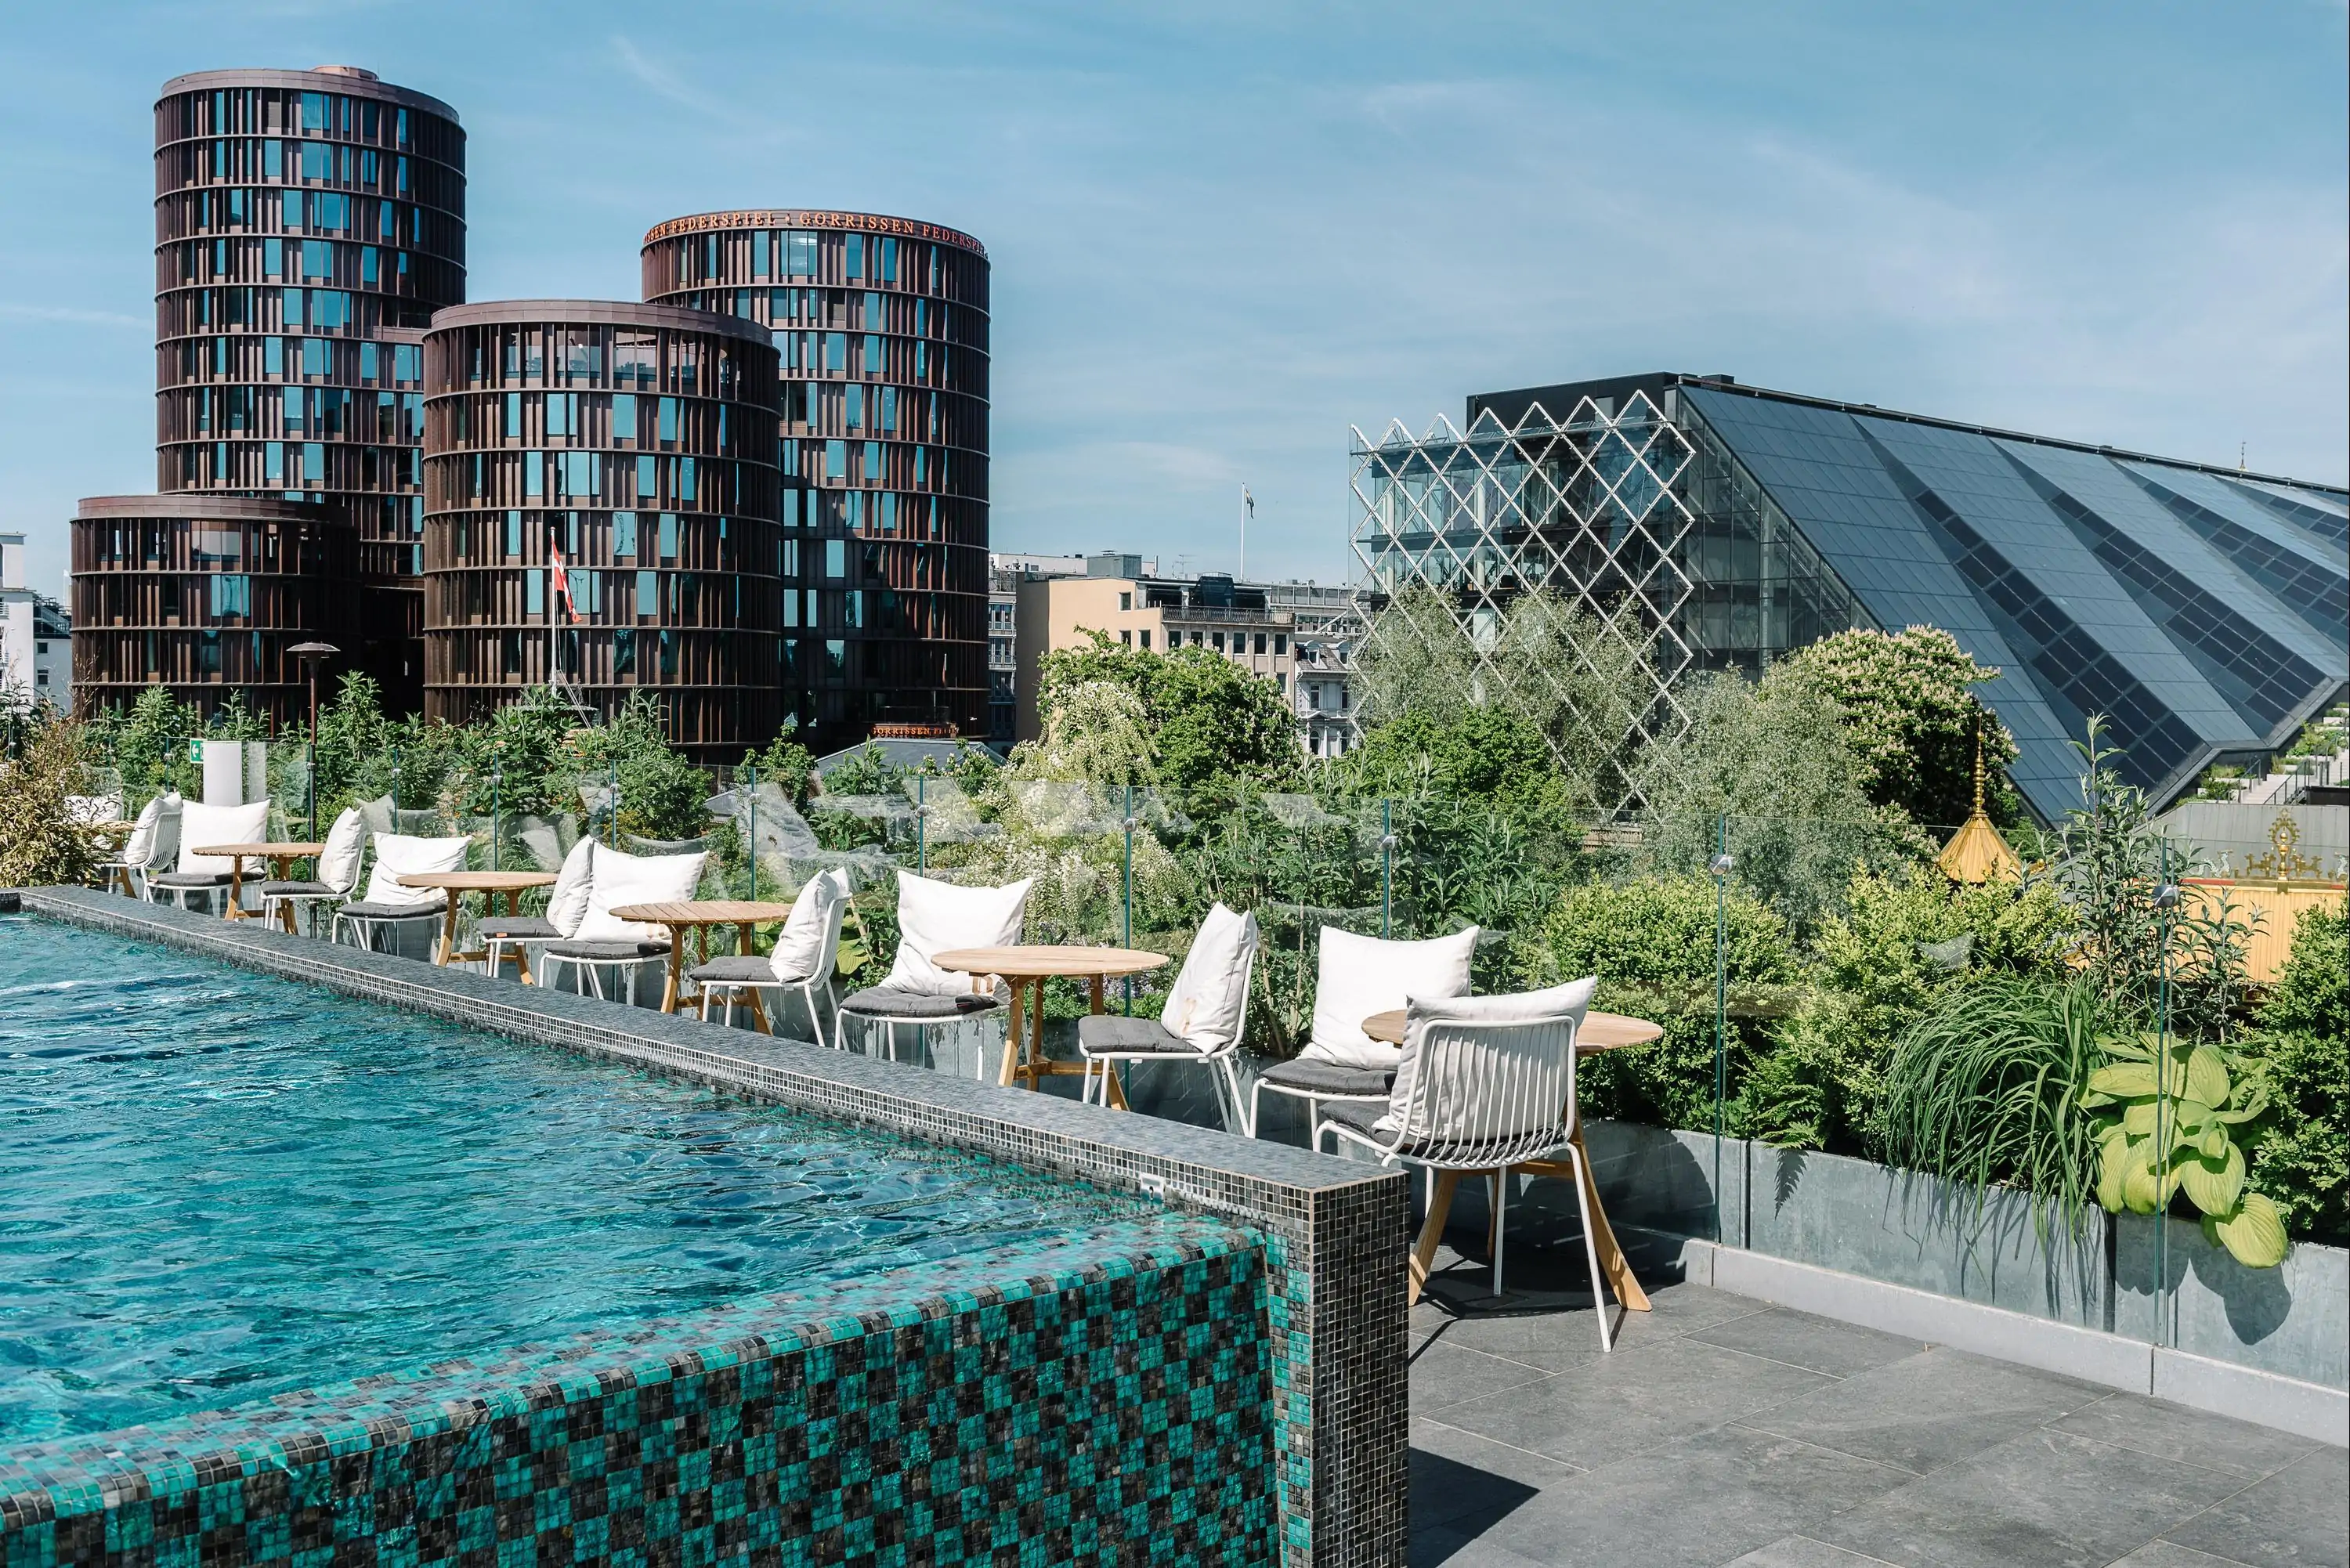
(1477, 1098)
(749, 975)
(1103, 1040)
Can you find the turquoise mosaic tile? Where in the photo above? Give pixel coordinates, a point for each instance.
(1104, 1399)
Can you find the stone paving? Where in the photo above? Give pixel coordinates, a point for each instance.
(1723, 1430)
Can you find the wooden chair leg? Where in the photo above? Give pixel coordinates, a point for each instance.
(1432, 1231)
(758, 1013)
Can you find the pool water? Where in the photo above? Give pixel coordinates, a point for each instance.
(216, 1187)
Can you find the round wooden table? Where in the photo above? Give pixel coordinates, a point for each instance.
(699, 915)
(457, 884)
(1026, 970)
(1600, 1031)
(281, 859)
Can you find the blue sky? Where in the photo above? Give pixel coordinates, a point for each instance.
(1224, 232)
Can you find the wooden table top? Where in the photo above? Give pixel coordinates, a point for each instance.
(286, 851)
(703, 911)
(476, 881)
(1026, 962)
(1600, 1031)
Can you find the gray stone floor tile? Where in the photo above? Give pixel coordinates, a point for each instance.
(2045, 1499)
(2170, 1554)
(1443, 1376)
(2191, 1437)
(1701, 1499)
(1816, 1343)
(2297, 1517)
(1439, 1547)
(1929, 1409)
(1559, 1338)
(1802, 1552)
(1467, 1482)
(1633, 1399)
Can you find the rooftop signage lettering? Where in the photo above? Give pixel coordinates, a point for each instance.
(805, 218)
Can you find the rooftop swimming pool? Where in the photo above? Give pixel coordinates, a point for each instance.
(221, 1187)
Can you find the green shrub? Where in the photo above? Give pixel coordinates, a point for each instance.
(2301, 1154)
(1903, 938)
(43, 764)
(1989, 1088)
(1651, 943)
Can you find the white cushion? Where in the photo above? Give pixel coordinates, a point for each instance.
(939, 916)
(1468, 1109)
(397, 855)
(138, 849)
(1205, 1006)
(339, 863)
(617, 879)
(815, 915)
(1361, 976)
(567, 906)
(202, 826)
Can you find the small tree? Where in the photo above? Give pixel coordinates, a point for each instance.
(38, 845)
(1211, 725)
(1912, 717)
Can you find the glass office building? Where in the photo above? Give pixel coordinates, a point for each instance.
(2204, 611)
(307, 225)
(600, 499)
(882, 327)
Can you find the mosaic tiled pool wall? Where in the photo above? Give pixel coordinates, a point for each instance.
(1102, 1410)
(1331, 1233)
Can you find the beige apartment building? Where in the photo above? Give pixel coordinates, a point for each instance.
(1237, 620)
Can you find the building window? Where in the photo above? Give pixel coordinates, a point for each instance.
(1146, 640)
(1260, 642)
(1126, 637)
(1220, 641)
(1280, 643)
(1126, 601)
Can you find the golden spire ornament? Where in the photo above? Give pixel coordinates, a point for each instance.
(1976, 853)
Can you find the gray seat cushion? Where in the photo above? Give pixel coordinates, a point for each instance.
(739, 969)
(519, 928)
(363, 910)
(894, 1001)
(189, 880)
(297, 890)
(1328, 1079)
(609, 953)
(1107, 1035)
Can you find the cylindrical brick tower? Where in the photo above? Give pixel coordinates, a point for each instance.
(307, 225)
(205, 594)
(601, 501)
(882, 325)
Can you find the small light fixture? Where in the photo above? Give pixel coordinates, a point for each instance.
(1721, 866)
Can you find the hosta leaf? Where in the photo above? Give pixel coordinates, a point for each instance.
(2213, 1185)
(2214, 1144)
(2128, 1080)
(2113, 1164)
(2139, 1190)
(2138, 1120)
(2254, 1233)
(2193, 1116)
(2206, 1076)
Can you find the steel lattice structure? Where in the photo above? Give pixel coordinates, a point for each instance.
(1590, 507)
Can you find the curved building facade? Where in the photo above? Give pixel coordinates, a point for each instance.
(205, 594)
(307, 225)
(881, 328)
(601, 499)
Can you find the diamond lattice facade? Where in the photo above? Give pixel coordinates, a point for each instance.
(2202, 610)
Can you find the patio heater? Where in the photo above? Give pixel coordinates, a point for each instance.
(312, 654)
